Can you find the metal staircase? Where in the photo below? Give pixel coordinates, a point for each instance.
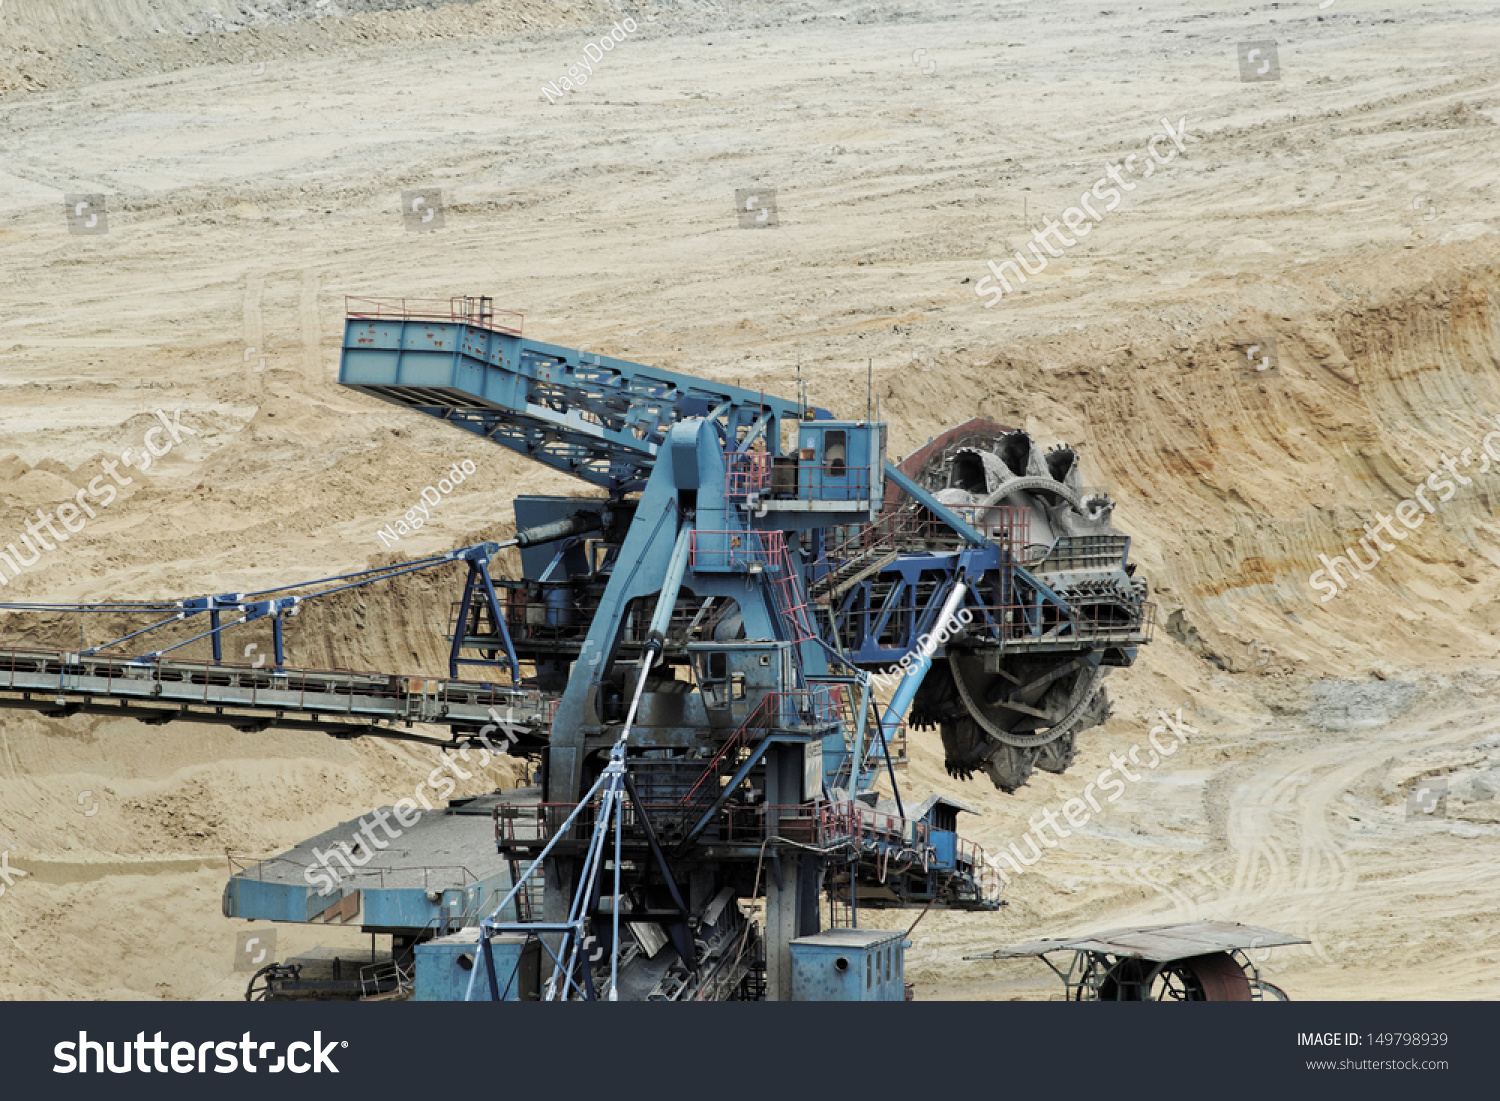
(843, 577)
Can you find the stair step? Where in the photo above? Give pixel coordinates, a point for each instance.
(837, 583)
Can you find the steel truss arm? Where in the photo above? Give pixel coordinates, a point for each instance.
(596, 417)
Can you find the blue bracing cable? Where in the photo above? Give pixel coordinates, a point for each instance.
(127, 638)
(158, 653)
(464, 553)
(182, 609)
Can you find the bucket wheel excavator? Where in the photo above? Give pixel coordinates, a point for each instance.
(687, 660)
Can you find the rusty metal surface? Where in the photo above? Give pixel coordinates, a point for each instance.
(1222, 978)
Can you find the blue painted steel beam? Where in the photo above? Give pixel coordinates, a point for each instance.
(599, 418)
(936, 507)
(736, 780)
(862, 622)
(479, 579)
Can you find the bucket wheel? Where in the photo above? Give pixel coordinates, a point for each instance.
(1025, 717)
(1020, 706)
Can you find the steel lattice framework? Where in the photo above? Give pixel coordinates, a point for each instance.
(593, 416)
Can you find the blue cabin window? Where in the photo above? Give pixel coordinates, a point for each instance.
(835, 452)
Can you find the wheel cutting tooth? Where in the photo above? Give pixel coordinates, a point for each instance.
(1033, 722)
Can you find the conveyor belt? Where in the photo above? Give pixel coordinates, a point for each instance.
(342, 703)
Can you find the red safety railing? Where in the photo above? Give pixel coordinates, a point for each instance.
(970, 859)
(732, 551)
(804, 479)
(471, 310)
(1008, 525)
(749, 474)
(706, 787)
(815, 706)
(820, 824)
(804, 707)
(757, 552)
(1088, 622)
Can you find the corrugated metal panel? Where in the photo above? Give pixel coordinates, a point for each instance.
(1163, 942)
